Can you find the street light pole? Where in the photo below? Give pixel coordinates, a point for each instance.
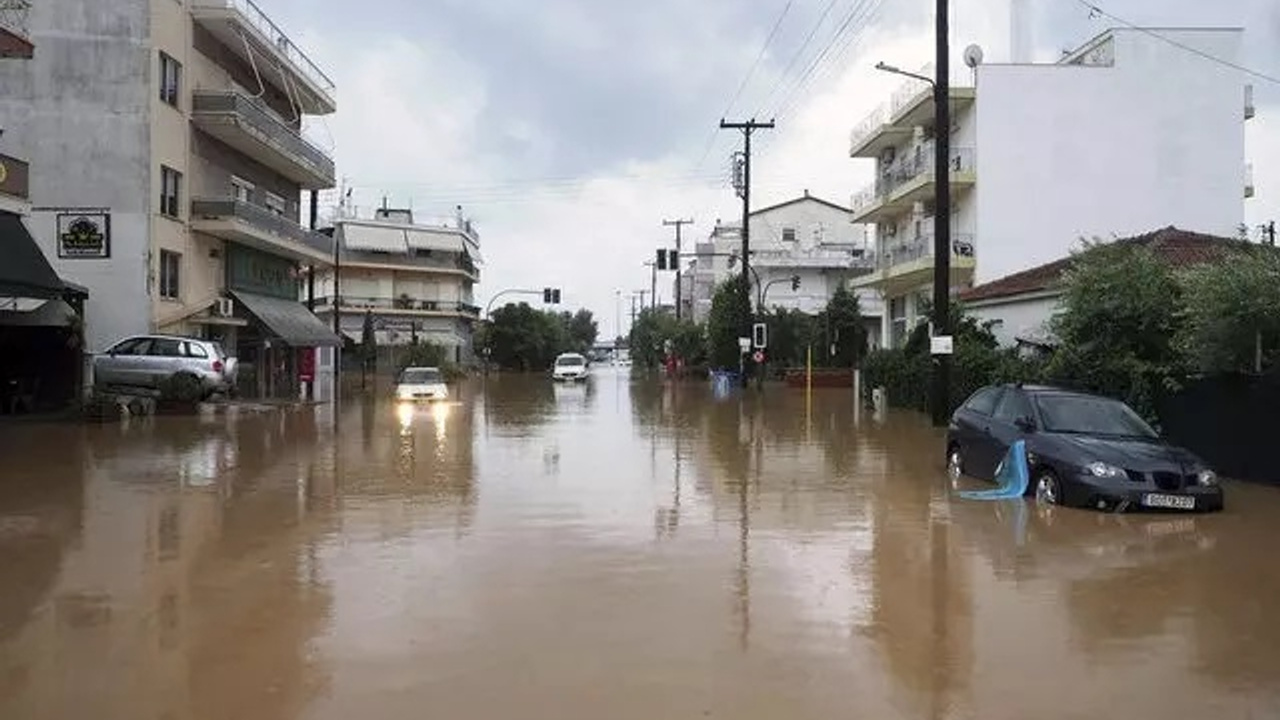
(653, 283)
(939, 403)
(942, 213)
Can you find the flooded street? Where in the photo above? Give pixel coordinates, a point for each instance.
(615, 550)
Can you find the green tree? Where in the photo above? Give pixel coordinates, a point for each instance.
(522, 338)
(791, 334)
(725, 324)
(1121, 312)
(842, 325)
(581, 330)
(1232, 313)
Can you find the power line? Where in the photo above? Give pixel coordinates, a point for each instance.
(863, 10)
(711, 137)
(1183, 46)
(796, 56)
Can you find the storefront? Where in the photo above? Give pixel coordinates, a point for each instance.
(277, 348)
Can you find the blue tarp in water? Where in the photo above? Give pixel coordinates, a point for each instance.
(1011, 476)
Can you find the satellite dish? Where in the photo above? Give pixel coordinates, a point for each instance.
(973, 56)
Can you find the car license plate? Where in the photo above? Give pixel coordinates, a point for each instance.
(1174, 502)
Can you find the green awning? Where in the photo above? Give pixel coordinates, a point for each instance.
(25, 272)
(288, 320)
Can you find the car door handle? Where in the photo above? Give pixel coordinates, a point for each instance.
(986, 430)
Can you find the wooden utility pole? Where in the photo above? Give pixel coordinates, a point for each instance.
(743, 185)
(677, 224)
(942, 213)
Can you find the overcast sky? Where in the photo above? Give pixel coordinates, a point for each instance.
(568, 129)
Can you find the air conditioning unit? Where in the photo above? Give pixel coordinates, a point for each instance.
(224, 307)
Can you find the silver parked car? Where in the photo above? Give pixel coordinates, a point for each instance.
(142, 362)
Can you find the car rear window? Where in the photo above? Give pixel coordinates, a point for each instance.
(420, 377)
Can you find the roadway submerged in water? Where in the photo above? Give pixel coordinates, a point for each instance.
(612, 549)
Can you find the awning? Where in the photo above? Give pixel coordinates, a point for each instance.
(51, 313)
(429, 240)
(289, 320)
(25, 272)
(373, 237)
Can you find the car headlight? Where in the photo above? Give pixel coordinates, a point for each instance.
(1105, 470)
(1206, 477)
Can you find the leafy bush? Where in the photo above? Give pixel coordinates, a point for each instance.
(1231, 315)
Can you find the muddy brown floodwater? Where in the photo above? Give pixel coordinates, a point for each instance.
(619, 550)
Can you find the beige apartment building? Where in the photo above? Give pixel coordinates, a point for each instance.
(170, 176)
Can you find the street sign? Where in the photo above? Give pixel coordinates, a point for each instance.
(744, 343)
(941, 345)
(760, 335)
(758, 357)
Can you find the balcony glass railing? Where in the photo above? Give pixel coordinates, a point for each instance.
(400, 303)
(259, 21)
(231, 102)
(907, 169)
(907, 251)
(871, 124)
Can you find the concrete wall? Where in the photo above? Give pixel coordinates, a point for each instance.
(1026, 317)
(79, 112)
(1071, 151)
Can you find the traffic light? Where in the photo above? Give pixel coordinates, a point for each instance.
(795, 283)
(673, 259)
(546, 296)
(759, 336)
(662, 259)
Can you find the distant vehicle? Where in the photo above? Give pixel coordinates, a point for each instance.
(417, 384)
(1082, 450)
(142, 362)
(569, 367)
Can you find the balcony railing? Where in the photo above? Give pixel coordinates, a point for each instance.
(909, 91)
(254, 16)
(921, 247)
(286, 138)
(1248, 180)
(259, 218)
(437, 260)
(871, 124)
(357, 302)
(909, 168)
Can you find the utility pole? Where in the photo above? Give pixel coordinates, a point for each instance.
(677, 224)
(744, 191)
(942, 213)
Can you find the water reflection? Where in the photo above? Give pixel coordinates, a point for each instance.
(617, 549)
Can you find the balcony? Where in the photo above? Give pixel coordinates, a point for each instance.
(1250, 109)
(823, 258)
(404, 305)
(257, 227)
(247, 32)
(242, 123)
(908, 180)
(1248, 181)
(15, 185)
(905, 265)
(910, 106)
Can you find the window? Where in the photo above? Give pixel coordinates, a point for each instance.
(170, 80)
(170, 274)
(170, 191)
(1013, 407)
(788, 234)
(194, 350)
(276, 204)
(984, 401)
(241, 189)
(166, 347)
(132, 346)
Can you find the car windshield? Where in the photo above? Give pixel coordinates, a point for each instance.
(420, 376)
(1083, 415)
(572, 361)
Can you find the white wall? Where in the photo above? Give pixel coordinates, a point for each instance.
(1070, 151)
(79, 112)
(1018, 318)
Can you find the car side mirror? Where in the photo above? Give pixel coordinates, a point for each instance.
(1026, 424)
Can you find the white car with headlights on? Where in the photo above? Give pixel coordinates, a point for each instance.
(421, 384)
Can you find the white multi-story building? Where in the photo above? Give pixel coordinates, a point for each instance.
(416, 279)
(1136, 129)
(807, 239)
(168, 170)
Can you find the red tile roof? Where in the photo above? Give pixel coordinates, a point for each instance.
(1180, 248)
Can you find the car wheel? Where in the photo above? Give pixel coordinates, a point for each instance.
(955, 463)
(1047, 488)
